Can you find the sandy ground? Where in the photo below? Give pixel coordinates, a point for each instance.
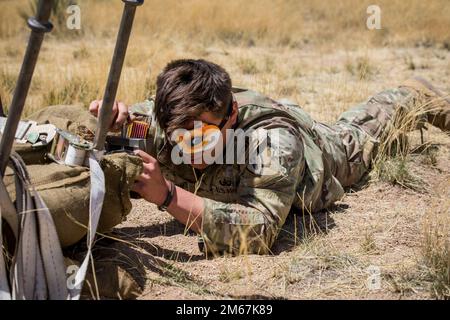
(375, 228)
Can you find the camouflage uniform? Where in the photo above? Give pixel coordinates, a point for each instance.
(245, 211)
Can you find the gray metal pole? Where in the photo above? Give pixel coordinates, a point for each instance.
(105, 116)
(2, 112)
(39, 26)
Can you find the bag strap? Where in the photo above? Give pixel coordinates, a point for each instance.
(97, 196)
(38, 270)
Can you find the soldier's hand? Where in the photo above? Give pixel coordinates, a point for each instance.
(120, 113)
(151, 184)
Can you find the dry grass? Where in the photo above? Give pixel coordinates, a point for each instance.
(256, 22)
(393, 160)
(317, 53)
(436, 248)
(394, 164)
(230, 32)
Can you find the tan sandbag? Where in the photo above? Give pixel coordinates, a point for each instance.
(111, 280)
(73, 118)
(66, 189)
(31, 155)
(65, 117)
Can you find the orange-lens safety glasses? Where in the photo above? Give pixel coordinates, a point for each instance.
(202, 138)
(197, 140)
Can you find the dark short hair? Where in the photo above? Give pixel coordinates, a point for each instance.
(186, 88)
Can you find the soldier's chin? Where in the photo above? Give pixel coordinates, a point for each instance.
(199, 166)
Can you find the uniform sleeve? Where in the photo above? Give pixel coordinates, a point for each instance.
(265, 195)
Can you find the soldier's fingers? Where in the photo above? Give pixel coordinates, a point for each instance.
(94, 107)
(115, 109)
(145, 156)
(114, 116)
(122, 114)
(144, 177)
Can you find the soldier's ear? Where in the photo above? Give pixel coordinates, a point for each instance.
(234, 112)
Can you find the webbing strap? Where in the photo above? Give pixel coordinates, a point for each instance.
(23, 271)
(7, 212)
(95, 209)
(38, 270)
(53, 259)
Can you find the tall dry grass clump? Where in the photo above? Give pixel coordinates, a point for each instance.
(436, 248)
(392, 162)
